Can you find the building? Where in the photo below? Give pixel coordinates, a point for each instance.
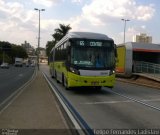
(42, 55)
(142, 38)
(138, 57)
(29, 49)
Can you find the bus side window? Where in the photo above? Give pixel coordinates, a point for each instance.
(68, 53)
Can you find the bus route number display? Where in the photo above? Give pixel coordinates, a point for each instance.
(91, 43)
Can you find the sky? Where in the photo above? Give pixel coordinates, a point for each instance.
(19, 20)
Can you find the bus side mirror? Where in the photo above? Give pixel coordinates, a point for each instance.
(116, 55)
(115, 51)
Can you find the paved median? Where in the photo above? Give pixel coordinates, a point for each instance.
(34, 108)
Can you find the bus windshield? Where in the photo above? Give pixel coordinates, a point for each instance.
(93, 57)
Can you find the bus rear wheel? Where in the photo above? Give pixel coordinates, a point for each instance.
(56, 77)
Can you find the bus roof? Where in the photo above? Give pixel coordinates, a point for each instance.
(88, 35)
(84, 35)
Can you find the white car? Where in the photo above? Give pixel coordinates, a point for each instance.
(4, 65)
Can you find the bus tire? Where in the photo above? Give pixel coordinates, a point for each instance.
(65, 83)
(111, 87)
(56, 77)
(63, 80)
(52, 75)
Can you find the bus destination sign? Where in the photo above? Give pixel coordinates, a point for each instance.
(89, 43)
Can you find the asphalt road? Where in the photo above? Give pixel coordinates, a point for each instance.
(115, 109)
(13, 78)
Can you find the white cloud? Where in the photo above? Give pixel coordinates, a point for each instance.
(76, 1)
(99, 12)
(143, 26)
(12, 11)
(144, 12)
(47, 3)
(18, 23)
(9, 9)
(137, 29)
(132, 31)
(79, 24)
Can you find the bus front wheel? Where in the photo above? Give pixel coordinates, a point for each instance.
(65, 83)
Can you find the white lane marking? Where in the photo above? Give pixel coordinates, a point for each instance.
(77, 126)
(115, 102)
(133, 99)
(20, 75)
(106, 102)
(14, 95)
(150, 100)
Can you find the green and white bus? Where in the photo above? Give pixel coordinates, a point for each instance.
(84, 59)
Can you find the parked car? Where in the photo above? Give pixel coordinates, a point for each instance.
(4, 65)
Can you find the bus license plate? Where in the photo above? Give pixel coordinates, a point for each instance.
(94, 83)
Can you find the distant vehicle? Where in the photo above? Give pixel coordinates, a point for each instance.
(4, 65)
(27, 64)
(18, 62)
(33, 65)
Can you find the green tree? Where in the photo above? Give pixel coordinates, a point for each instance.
(57, 36)
(61, 31)
(9, 51)
(5, 49)
(49, 46)
(5, 57)
(19, 51)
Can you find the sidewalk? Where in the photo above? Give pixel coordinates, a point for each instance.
(143, 79)
(35, 108)
(155, 77)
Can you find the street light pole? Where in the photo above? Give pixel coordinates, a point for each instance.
(125, 20)
(39, 10)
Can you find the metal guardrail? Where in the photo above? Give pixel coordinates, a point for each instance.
(146, 67)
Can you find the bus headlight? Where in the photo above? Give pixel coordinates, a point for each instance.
(112, 72)
(75, 71)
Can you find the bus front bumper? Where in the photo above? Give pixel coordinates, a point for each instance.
(78, 81)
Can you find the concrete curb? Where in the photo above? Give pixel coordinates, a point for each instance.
(148, 76)
(137, 83)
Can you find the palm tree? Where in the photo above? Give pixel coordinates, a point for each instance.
(57, 36)
(49, 46)
(61, 32)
